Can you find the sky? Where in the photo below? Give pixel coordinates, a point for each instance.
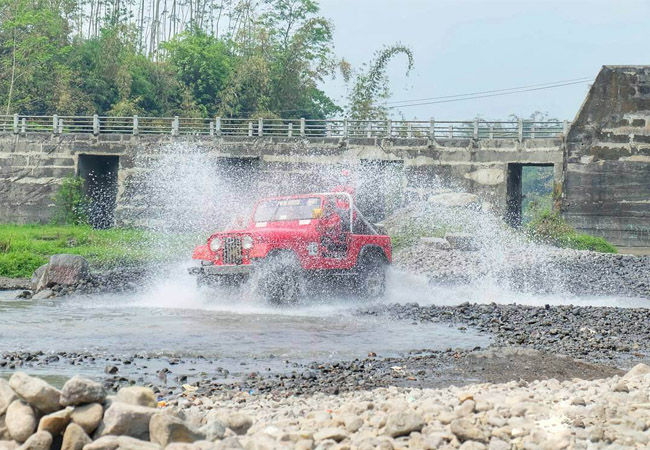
(468, 46)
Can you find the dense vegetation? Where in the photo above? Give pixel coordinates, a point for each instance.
(178, 57)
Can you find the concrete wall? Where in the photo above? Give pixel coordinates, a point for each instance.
(606, 188)
(32, 166)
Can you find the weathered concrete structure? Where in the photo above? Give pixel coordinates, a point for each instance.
(33, 165)
(606, 188)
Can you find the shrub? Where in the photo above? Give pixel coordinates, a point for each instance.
(70, 203)
(550, 228)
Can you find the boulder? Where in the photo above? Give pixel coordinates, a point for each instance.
(38, 441)
(467, 431)
(7, 396)
(121, 443)
(78, 390)
(637, 371)
(36, 392)
(43, 294)
(9, 445)
(88, 417)
(435, 243)
(213, 430)
(36, 277)
(20, 420)
(455, 200)
(74, 438)
(335, 434)
(403, 423)
(126, 420)
(136, 395)
(165, 429)
(4, 431)
(64, 269)
(56, 422)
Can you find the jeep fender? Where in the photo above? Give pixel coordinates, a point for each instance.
(372, 251)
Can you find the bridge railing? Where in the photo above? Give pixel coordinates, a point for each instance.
(311, 128)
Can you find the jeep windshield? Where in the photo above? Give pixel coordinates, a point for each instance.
(286, 209)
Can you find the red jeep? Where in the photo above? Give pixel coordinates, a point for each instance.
(292, 240)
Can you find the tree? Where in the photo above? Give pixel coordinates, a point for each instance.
(371, 86)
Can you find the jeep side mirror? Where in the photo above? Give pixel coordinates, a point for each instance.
(317, 213)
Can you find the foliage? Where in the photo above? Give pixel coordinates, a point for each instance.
(23, 248)
(70, 203)
(551, 228)
(410, 233)
(371, 85)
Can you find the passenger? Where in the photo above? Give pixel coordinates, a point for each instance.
(329, 226)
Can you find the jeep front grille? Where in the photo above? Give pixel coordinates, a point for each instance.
(232, 251)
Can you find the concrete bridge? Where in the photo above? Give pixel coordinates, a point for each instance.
(601, 161)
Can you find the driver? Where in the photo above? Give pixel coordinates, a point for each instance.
(330, 226)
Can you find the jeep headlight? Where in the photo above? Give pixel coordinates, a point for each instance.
(215, 244)
(247, 242)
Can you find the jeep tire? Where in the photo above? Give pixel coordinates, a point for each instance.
(371, 277)
(280, 280)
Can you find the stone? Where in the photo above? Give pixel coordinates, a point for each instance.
(637, 371)
(403, 423)
(9, 445)
(43, 294)
(78, 390)
(465, 430)
(75, 438)
(7, 396)
(88, 417)
(124, 419)
(36, 277)
(335, 434)
(136, 395)
(165, 429)
(121, 443)
(472, 445)
(435, 243)
(352, 423)
(64, 269)
(461, 241)
(213, 430)
(239, 423)
(36, 392)
(20, 420)
(41, 440)
(56, 422)
(229, 443)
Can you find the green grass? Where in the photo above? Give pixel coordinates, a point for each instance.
(551, 228)
(23, 248)
(411, 232)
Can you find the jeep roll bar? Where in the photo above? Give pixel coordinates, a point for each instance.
(353, 209)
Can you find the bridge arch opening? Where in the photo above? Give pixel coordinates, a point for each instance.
(529, 189)
(99, 173)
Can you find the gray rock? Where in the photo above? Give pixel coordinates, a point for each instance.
(56, 422)
(38, 441)
(214, 430)
(20, 420)
(466, 431)
(36, 392)
(461, 241)
(472, 445)
(165, 429)
(78, 391)
(43, 294)
(126, 420)
(9, 445)
(136, 395)
(7, 396)
(403, 423)
(64, 269)
(435, 243)
(74, 438)
(121, 443)
(637, 371)
(88, 417)
(239, 423)
(4, 431)
(36, 277)
(335, 434)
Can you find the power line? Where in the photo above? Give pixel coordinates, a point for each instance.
(485, 96)
(491, 91)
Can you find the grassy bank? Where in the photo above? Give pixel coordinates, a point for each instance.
(23, 248)
(551, 228)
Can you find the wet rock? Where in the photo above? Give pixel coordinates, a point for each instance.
(165, 429)
(111, 370)
(64, 269)
(44, 294)
(121, 443)
(74, 438)
(36, 277)
(334, 434)
(465, 430)
(88, 417)
(55, 422)
(78, 391)
(7, 396)
(36, 392)
(41, 440)
(124, 419)
(403, 423)
(20, 420)
(136, 395)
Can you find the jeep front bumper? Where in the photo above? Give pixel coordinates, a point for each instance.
(242, 269)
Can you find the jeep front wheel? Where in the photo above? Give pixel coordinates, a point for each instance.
(280, 281)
